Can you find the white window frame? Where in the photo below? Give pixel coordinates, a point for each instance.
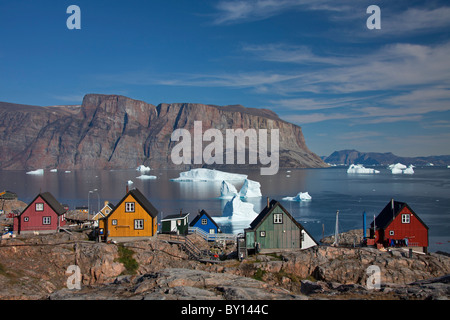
(114, 222)
(129, 206)
(139, 224)
(26, 219)
(212, 231)
(39, 206)
(277, 218)
(46, 220)
(262, 234)
(204, 222)
(406, 218)
(391, 232)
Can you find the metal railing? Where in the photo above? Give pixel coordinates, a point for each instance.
(213, 236)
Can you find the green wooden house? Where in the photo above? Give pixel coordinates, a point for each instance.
(176, 223)
(275, 229)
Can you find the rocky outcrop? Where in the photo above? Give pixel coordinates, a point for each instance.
(111, 132)
(35, 267)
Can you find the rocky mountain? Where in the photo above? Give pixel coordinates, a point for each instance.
(347, 157)
(116, 132)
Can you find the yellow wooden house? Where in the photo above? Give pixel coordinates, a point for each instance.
(133, 216)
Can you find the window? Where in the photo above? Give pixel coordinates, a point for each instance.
(26, 219)
(107, 211)
(262, 233)
(129, 206)
(212, 231)
(391, 232)
(405, 218)
(46, 220)
(114, 222)
(39, 207)
(139, 224)
(204, 221)
(278, 218)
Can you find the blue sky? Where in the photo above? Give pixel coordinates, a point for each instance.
(313, 62)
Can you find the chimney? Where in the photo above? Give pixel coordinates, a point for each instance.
(127, 188)
(268, 203)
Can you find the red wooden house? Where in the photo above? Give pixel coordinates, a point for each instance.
(398, 225)
(44, 215)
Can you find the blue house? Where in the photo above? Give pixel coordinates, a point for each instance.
(204, 222)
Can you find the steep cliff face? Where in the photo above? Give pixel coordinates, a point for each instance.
(111, 132)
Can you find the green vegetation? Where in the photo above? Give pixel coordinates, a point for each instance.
(126, 258)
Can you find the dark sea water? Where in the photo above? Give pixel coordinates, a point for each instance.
(427, 192)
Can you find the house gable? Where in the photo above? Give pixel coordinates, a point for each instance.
(44, 213)
(134, 216)
(274, 228)
(200, 219)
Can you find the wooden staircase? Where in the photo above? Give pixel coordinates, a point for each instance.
(193, 252)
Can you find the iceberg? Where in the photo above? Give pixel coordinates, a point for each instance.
(236, 209)
(250, 189)
(145, 177)
(143, 168)
(399, 168)
(129, 182)
(36, 172)
(202, 174)
(359, 168)
(54, 170)
(301, 196)
(227, 190)
(409, 170)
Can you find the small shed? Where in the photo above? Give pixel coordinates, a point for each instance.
(275, 229)
(176, 223)
(204, 222)
(397, 225)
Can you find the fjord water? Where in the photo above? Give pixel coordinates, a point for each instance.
(427, 191)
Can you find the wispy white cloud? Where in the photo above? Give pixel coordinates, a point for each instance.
(238, 11)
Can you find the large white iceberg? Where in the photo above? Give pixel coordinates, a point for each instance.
(202, 174)
(359, 168)
(301, 196)
(36, 172)
(227, 190)
(399, 168)
(143, 168)
(236, 209)
(250, 189)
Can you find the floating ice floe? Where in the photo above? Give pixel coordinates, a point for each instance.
(359, 168)
(399, 168)
(143, 168)
(236, 209)
(227, 190)
(36, 172)
(145, 177)
(301, 196)
(54, 170)
(130, 182)
(67, 171)
(202, 174)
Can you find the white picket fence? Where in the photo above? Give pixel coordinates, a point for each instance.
(213, 236)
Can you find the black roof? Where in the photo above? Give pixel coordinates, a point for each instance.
(200, 214)
(51, 201)
(175, 216)
(266, 212)
(390, 211)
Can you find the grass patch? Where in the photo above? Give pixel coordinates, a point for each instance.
(259, 274)
(126, 258)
